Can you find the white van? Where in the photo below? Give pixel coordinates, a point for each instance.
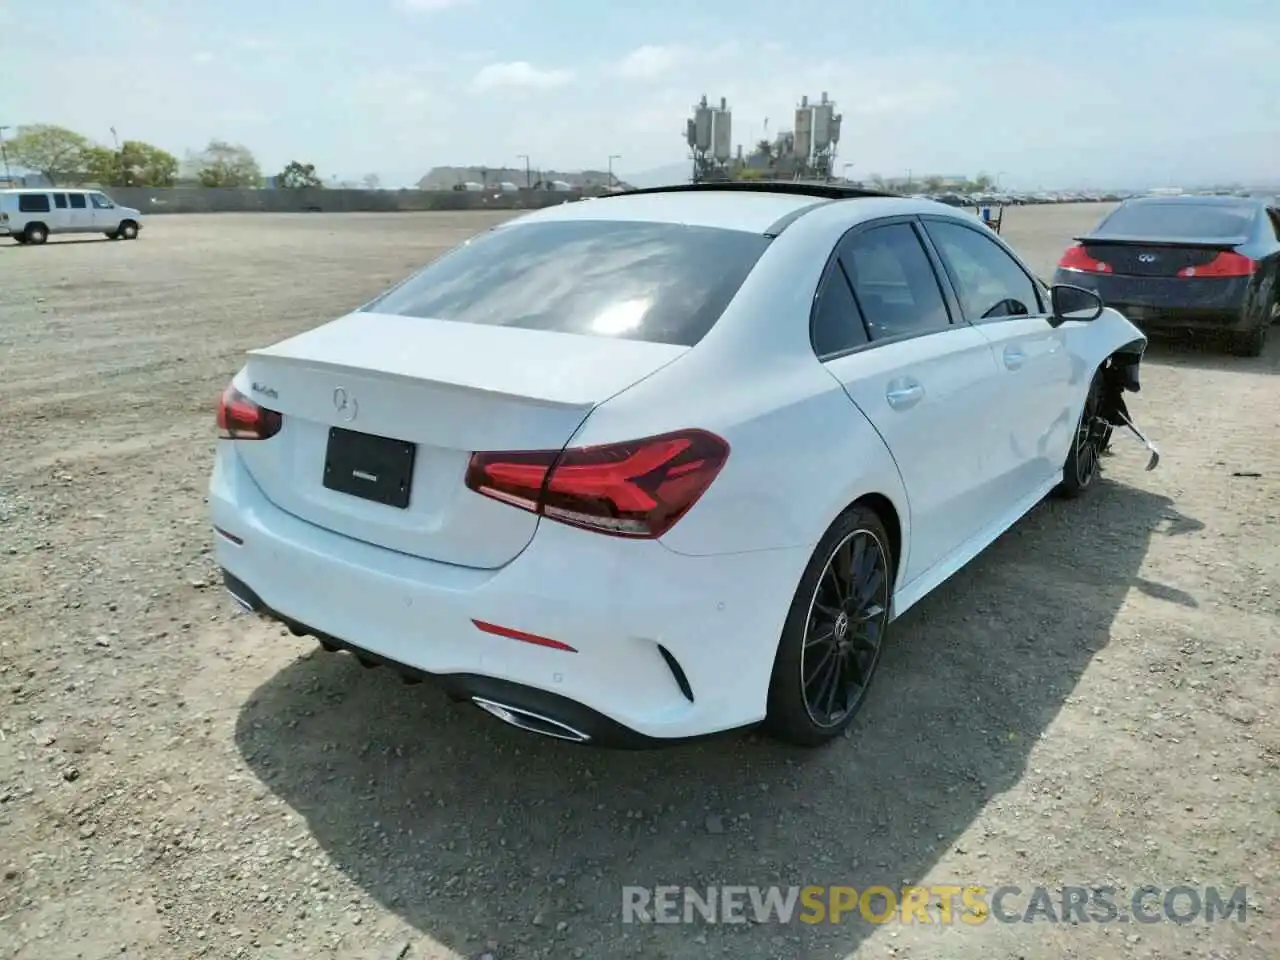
(30, 216)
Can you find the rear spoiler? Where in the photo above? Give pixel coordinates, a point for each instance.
(1118, 239)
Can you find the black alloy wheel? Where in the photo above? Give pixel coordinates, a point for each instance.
(847, 620)
(834, 632)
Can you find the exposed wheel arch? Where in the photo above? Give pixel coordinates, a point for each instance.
(888, 515)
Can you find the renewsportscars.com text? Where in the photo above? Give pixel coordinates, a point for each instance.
(936, 904)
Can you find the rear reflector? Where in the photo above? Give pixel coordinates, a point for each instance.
(523, 637)
(1225, 264)
(1078, 260)
(639, 488)
(239, 418)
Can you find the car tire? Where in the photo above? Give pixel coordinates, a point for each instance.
(1092, 437)
(128, 230)
(36, 233)
(839, 642)
(1252, 342)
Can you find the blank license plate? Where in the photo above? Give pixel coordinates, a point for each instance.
(372, 468)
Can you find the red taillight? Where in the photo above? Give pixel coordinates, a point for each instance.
(635, 489)
(239, 418)
(1077, 259)
(1225, 264)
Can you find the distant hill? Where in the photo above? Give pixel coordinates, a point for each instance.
(446, 178)
(662, 176)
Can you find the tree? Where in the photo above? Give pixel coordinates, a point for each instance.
(54, 152)
(136, 164)
(101, 166)
(372, 181)
(297, 176)
(982, 182)
(764, 149)
(144, 165)
(933, 184)
(225, 164)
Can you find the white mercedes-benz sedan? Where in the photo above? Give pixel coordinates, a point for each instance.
(663, 464)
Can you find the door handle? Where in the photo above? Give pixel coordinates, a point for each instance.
(905, 396)
(1014, 358)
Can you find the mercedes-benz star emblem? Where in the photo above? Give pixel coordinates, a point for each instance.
(841, 627)
(345, 405)
(1146, 258)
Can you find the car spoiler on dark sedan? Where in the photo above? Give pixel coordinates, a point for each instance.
(1207, 243)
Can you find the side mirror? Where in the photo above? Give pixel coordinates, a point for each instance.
(1073, 303)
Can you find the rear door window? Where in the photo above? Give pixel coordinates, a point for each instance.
(33, 202)
(60, 201)
(657, 282)
(77, 201)
(894, 282)
(1173, 220)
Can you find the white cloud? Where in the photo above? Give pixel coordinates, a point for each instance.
(204, 56)
(648, 62)
(519, 75)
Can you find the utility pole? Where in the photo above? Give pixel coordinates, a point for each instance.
(5, 156)
(612, 157)
(528, 177)
(119, 161)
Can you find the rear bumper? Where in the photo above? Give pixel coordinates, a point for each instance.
(1170, 303)
(619, 604)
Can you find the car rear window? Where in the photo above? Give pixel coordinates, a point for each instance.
(658, 282)
(1202, 221)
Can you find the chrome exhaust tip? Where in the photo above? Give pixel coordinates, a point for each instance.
(529, 721)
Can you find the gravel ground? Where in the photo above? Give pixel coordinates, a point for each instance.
(1086, 704)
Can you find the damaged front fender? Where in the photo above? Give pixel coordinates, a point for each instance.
(1114, 347)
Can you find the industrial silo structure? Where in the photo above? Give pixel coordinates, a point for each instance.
(817, 136)
(803, 144)
(709, 135)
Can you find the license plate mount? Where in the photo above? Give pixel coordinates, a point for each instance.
(379, 469)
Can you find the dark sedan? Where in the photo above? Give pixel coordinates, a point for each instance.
(1186, 262)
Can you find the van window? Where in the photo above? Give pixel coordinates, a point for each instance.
(33, 202)
(60, 201)
(77, 201)
(100, 201)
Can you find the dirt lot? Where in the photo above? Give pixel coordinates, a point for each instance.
(1092, 702)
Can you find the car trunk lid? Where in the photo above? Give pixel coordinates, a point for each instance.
(1136, 256)
(434, 391)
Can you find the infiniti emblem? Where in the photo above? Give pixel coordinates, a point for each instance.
(1146, 258)
(345, 405)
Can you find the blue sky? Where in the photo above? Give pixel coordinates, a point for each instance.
(1142, 93)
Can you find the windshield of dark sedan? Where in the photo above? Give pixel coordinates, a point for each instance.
(1201, 221)
(658, 282)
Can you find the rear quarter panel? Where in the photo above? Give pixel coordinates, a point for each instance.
(800, 452)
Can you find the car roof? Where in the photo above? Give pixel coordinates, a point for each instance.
(750, 210)
(1191, 199)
